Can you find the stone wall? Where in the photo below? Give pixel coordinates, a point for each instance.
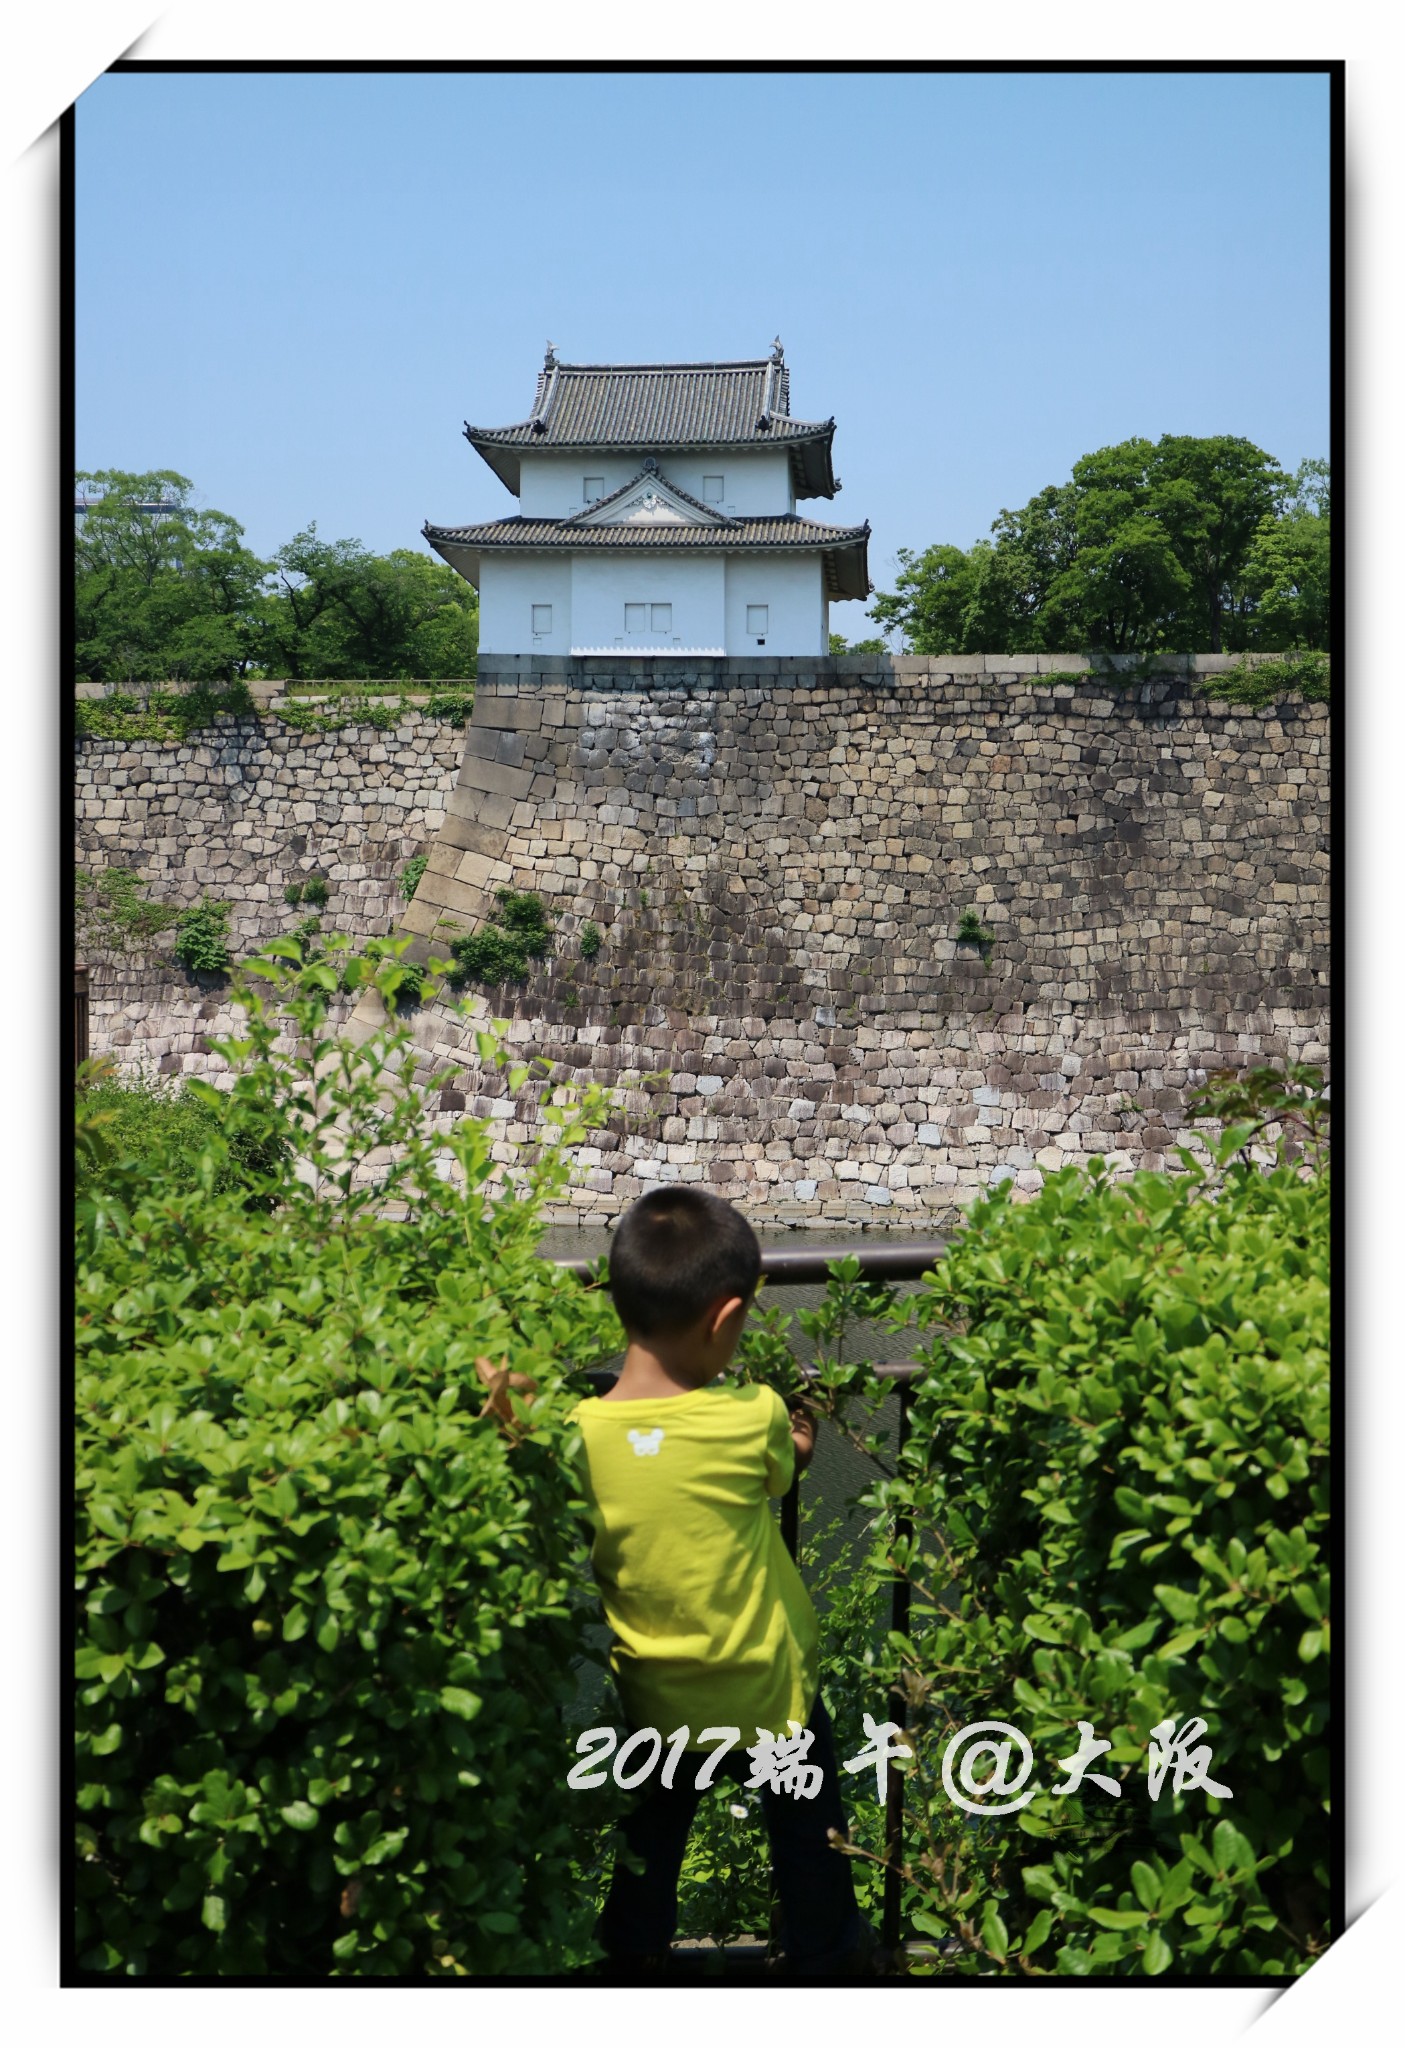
(236, 813)
(778, 854)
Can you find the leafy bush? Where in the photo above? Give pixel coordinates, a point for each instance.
(501, 949)
(138, 1125)
(292, 893)
(971, 932)
(315, 890)
(1120, 1452)
(411, 874)
(327, 1605)
(202, 937)
(591, 940)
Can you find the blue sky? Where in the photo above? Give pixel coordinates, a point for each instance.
(294, 289)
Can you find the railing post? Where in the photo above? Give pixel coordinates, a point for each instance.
(80, 1013)
(790, 1515)
(897, 1710)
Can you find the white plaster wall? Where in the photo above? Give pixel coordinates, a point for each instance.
(755, 485)
(601, 586)
(511, 585)
(792, 589)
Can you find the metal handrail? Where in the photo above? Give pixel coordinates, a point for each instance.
(810, 1268)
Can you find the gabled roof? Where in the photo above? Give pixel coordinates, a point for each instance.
(649, 483)
(582, 407)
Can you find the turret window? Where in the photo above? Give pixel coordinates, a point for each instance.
(541, 619)
(712, 490)
(593, 488)
(757, 617)
(648, 618)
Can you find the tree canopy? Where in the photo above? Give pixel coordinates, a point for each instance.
(164, 591)
(1200, 545)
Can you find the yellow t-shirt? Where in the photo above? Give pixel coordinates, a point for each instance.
(713, 1625)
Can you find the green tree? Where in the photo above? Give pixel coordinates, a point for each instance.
(1180, 543)
(839, 645)
(933, 602)
(1211, 496)
(162, 590)
(1288, 569)
(340, 611)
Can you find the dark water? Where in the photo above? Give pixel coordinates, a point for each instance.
(839, 1472)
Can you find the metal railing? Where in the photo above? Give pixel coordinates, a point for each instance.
(809, 1267)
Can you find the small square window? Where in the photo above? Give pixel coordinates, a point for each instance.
(661, 618)
(593, 488)
(756, 617)
(635, 617)
(541, 618)
(712, 490)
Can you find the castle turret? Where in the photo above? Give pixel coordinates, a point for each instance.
(657, 516)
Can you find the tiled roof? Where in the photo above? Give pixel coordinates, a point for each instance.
(663, 405)
(844, 548)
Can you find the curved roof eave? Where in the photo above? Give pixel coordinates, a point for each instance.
(811, 453)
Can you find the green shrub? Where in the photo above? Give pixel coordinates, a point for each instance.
(591, 940)
(501, 949)
(411, 988)
(292, 893)
(140, 1124)
(202, 937)
(971, 932)
(327, 1607)
(411, 874)
(315, 890)
(1120, 1452)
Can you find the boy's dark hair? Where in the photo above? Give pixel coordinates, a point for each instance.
(676, 1252)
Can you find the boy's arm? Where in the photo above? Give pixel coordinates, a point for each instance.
(802, 1433)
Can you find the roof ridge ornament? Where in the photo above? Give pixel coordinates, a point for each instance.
(550, 363)
(777, 350)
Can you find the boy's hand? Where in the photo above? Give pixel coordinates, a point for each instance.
(802, 1434)
(500, 1383)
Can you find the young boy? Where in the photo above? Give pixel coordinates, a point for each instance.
(713, 1626)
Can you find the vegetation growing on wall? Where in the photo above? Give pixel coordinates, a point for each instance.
(164, 715)
(202, 937)
(502, 949)
(1265, 682)
(324, 707)
(1192, 545)
(112, 909)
